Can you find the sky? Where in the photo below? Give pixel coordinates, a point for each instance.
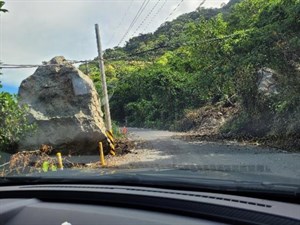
(37, 30)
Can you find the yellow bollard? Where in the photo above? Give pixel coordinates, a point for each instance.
(102, 160)
(59, 159)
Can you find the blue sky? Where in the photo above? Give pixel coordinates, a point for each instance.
(10, 89)
(37, 30)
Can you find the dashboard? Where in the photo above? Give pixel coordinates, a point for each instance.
(72, 204)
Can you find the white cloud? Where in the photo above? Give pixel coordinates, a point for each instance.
(37, 30)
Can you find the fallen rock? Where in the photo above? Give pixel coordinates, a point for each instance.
(267, 84)
(65, 106)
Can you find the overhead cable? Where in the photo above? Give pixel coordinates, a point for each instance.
(138, 14)
(173, 11)
(28, 66)
(121, 22)
(174, 46)
(202, 3)
(154, 16)
(142, 23)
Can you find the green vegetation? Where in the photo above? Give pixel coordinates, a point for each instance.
(2, 3)
(211, 56)
(206, 57)
(13, 122)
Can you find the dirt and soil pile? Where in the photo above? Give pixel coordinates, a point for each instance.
(206, 120)
(218, 123)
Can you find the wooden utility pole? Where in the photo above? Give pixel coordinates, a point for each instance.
(103, 78)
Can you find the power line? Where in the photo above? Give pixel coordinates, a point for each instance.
(121, 22)
(29, 66)
(178, 5)
(138, 14)
(136, 19)
(155, 15)
(142, 23)
(16, 66)
(151, 11)
(172, 12)
(202, 3)
(158, 11)
(175, 45)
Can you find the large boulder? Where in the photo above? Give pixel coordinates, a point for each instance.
(65, 106)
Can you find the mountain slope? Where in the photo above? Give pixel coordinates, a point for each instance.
(197, 60)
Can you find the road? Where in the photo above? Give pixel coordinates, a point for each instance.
(166, 150)
(161, 150)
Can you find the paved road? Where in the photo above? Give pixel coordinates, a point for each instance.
(170, 151)
(161, 150)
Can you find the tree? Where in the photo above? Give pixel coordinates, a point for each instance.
(211, 56)
(13, 122)
(2, 3)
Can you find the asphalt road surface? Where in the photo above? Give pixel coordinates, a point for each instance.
(161, 150)
(170, 151)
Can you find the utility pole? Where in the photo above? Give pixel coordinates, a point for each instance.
(86, 68)
(103, 78)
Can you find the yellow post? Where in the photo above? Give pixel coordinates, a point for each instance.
(59, 160)
(102, 160)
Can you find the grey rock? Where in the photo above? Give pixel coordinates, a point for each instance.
(267, 84)
(65, 106)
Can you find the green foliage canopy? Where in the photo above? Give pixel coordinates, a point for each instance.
(209, 56)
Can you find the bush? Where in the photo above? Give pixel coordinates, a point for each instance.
(116, 130)
(13, 122)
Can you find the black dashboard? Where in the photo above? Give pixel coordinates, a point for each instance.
(72, 204)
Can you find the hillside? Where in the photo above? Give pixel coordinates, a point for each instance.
(212, 57)
(167, 37)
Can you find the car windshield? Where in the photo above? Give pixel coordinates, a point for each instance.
(185, 90)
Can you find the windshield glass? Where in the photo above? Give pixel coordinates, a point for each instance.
(185, 90)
